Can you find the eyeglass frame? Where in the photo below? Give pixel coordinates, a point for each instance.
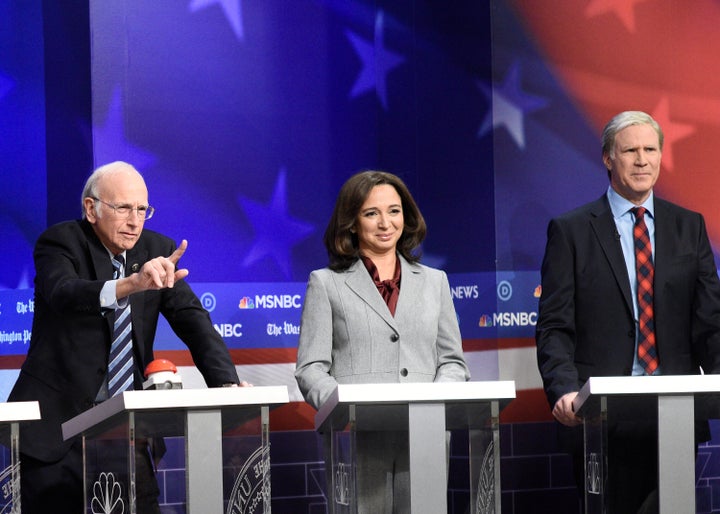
(149, 209)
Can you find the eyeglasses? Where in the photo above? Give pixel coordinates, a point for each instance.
(144, 212)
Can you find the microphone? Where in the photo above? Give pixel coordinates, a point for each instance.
(617, 236)
(135, 267)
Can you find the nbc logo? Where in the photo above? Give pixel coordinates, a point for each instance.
(246, 303)
(485, 321)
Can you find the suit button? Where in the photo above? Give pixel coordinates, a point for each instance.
(394, 338)
(404, 372)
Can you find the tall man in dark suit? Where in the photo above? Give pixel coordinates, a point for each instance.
(76, 301)
(588, 314)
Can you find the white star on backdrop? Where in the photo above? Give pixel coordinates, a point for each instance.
(377, 62)
(509, 105)
(232, 10)
(623, 9)
(275, 230)
(673, 131)
(109, 142)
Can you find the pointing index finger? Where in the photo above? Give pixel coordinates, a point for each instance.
(179, 251)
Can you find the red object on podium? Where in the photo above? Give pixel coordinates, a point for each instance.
(159, 365)
(162, 374)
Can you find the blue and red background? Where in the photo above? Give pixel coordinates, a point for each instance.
(246, 116)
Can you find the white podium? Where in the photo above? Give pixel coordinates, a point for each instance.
(676, 397)
(227, 452)
(426, 411)
(11, 414)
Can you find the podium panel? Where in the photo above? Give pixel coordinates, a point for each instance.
(11, 414)
(417, 416)
(226, 458)
(676, 398)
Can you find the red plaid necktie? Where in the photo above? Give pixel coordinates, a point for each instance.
(647, 351)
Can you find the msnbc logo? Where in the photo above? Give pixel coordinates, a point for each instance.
(271, 301)
(508, 319)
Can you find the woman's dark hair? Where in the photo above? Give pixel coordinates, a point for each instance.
(342, 244)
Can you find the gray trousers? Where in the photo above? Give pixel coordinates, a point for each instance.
(383, 472)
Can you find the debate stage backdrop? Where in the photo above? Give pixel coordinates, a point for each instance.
(246, 116)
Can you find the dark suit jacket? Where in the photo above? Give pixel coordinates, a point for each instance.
(67, 359)
(585, 323)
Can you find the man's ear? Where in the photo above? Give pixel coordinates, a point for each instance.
(89, 205)
(607, 160)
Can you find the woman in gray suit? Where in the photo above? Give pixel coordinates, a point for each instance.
(375, 315)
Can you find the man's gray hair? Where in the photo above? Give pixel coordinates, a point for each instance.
(91, 186)
(624, 120)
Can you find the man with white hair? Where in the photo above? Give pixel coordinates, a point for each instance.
(92, 275)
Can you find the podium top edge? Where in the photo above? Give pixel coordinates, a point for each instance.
(176, 399)
(415, 392)
(201, 398)
(19, 411)
(647, 385)
(425, 391)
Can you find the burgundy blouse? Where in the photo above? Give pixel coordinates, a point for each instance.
(389, 289)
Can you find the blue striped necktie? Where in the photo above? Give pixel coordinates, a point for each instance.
(120, 364)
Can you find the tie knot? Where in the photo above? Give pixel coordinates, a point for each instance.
(118, 261)
(639, 212)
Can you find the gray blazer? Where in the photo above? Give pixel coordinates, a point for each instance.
(348, 336)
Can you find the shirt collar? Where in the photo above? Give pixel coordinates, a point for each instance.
(620, 206)
(112, 255)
